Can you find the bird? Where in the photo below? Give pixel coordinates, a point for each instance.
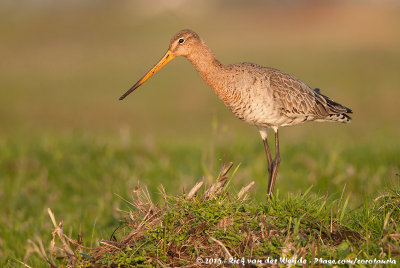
(261, 96)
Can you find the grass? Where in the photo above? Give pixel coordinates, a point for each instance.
(67, 144)
(80, 177)
(217, 226)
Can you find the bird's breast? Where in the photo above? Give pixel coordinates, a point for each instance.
(245, 90)
(252, 105)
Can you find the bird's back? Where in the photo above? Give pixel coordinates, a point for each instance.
(267, 97)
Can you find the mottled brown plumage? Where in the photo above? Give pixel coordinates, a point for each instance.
(261, 96)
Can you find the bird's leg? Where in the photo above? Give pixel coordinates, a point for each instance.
(269, 159)
(272, 164)
(275, 165)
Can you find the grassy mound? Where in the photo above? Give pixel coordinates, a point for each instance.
(211, 226)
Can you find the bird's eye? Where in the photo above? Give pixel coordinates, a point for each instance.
(181, 41)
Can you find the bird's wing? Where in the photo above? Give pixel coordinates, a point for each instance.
(295, 98)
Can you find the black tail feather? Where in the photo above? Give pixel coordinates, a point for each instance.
(334, 106)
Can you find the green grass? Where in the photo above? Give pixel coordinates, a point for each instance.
(80, 177)
(68, 144)
(220, 228)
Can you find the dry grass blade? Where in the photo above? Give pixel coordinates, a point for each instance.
(214, 190)
(224, 173)
(381, 196)
(226, 251)
(162, 264)
(196, 188)
(217, 187)
(64, 252)
(39, 249)
(58, 231)
(245, 190)
(23, 263)
(144, 218)
(53, 219)
(112, 244)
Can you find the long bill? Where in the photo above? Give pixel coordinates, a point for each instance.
(167, 58)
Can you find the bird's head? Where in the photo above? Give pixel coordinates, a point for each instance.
(182, 44)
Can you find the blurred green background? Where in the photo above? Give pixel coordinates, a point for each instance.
(66, 142)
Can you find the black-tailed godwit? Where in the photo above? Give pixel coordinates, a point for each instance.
(261, 96)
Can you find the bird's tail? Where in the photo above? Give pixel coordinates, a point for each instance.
(344, 118)
(337, 112)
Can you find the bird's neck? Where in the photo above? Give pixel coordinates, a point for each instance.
(208, 66)
(216, 75)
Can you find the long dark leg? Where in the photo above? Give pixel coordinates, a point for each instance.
(275, 165)
(269, 159)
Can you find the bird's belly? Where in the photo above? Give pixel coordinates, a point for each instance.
(254, 106)
(259, 114)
